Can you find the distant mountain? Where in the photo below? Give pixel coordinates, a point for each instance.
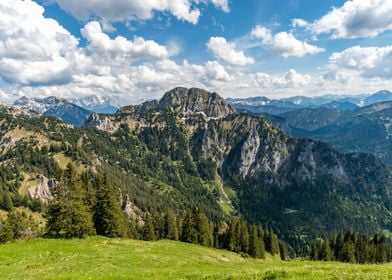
(263, 104)
(367, 129)
(97, 104)
(381, 96)
(55, 107)
(341, 105)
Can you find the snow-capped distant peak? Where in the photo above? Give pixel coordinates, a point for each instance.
(97, 103)
(39, 105)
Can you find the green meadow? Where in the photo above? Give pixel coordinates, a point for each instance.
(103, 258)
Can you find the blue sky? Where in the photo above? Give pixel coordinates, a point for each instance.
(136, 50)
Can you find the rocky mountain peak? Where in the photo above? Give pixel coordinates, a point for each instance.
(195, 100)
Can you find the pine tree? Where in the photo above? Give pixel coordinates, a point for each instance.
(260, 233)
(109, 219)
(171, 229)
(338, 246)
(271, 242)
(203, 228)
(232, 237)
(284, 254)
(348, 252)
(254, 243)
(188, 232)
(148, 228)
(325, 253)
(244, 238)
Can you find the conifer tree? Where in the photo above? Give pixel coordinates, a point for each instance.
(203, 228)
(254, 243)
(348, 252)
(284, 254)
(232, 237)
(271, 242)
(244, 238)
(148, 233)
(188, 232)
(171, 229)
(109, 219)
(260, 233)
(325, 253)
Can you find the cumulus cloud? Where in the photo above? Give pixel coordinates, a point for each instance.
(125, 10)
(369, 61)
(356, 18)
(120, 48)
(38, 57)
(290, 79)
(223, 4)
(298, 22)
(33, 49)
(283, 43)
(227, 52)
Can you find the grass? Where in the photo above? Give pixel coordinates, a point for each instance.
(102, 258)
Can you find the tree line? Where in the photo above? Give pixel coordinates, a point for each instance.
(352, 248)
(88, 204)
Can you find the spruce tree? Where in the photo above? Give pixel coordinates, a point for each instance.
(271, 242)
(244, 238)
(260, 233)
(348, 252)
(148, 233)
(325, 253)
(109, 219)
(284, 254)
(254, 243)
(203, 228)
(171, 229)
(188, 232)
(232, 237)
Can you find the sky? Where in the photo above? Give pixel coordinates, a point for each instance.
(135, 50)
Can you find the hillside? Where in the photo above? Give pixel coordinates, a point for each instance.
(102, 258)
(191, 149)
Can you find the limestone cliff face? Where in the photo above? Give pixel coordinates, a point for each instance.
(43, 189)
(102, 122)
(238, 144)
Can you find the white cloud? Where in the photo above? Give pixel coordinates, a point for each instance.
(125, 10)
(223, 4)
(283, 43)
(356, 18)
(290, 79)
(33, 49)
(299, 23)
(369, 61)
(227, 52)
(38, 57)
(120, 48)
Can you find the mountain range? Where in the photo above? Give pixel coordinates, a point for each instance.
(56, 107)
(193, 149)
(280, 106)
